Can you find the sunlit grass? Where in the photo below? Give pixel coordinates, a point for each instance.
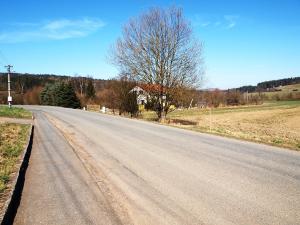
(14, 112)
(13, 138)
(276, 123)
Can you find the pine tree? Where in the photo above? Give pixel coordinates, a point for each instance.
(71, 100)
(60, 94)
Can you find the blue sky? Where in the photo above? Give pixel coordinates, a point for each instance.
(245, 42)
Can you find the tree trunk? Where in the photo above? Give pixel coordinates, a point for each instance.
(162, 111)
(162, 118)
(81, 90)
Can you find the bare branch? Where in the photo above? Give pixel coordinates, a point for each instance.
(158, 48)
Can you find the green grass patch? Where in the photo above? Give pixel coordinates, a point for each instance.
(13, 138)
(277, 141)
(14, 112)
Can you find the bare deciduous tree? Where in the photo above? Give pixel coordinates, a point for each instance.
(79, 82)
(21, 81)
(158, 48)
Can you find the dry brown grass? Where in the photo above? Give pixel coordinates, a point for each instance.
(279, 127)
(276, 123)
(13, 138)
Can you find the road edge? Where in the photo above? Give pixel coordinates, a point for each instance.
(102, 182)
(12, 203)
(202, 132)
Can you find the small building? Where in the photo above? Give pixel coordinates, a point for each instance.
(201, 104)
(141, 95)
(143, 92)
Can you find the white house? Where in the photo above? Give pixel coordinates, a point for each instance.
(141, 95)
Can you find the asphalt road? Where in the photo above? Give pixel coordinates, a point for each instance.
(90, 168)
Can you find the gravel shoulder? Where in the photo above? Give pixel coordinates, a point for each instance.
(58, 189)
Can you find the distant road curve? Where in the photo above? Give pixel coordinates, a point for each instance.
(134, 172)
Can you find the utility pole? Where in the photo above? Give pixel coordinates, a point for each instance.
(9, 98)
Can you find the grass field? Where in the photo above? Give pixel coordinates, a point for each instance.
(14, 112)
(275, 123)
(292, 87)
(13, 138)
(288, 92)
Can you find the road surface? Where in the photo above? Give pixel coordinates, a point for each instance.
(90, 168)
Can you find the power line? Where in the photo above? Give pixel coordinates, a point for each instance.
(4, 58)
(2, 62)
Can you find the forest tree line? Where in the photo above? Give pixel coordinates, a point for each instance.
(277, 83)
(113, 93)
(269, 85)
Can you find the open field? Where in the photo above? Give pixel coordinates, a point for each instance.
(14, 112)
(292, 87)
(275, 123)
(287, 92)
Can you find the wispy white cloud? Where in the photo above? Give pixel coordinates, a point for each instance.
(204, 24)
(217, 23)
(231, 21)
(222, 22)
(50, 30)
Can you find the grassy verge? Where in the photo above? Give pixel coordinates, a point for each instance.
(14, 112)
(13, 139)
(274, 123)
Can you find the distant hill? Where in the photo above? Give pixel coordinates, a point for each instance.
(26, 87)
(21, 82)
(276, 83)
(269, 85)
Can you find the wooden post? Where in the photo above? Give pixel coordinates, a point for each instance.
(210, 122)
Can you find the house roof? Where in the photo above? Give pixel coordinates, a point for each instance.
(148, 88)
(151, 87)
